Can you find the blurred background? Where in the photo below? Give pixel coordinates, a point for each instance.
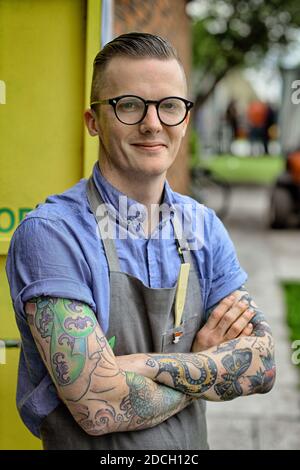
(241, 157)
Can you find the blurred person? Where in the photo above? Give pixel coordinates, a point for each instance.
(124, 338)
(257, 115)
(231, 116)
(269, 130)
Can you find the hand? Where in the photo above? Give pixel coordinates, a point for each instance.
(229, 320)
(128, 363)
(123, 362)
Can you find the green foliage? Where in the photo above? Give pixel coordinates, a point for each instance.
(259, 170)
(231, 33)
(194, 148)
(292, 296)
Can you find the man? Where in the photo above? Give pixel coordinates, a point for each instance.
(124, 329)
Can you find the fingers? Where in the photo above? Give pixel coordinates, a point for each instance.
(220, 310)
(229, 320)
(240, 325)
(248, 330)
(230, 317)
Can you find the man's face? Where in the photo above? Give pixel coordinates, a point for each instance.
(148, 148)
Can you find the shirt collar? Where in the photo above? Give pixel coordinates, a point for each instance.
(126, 210)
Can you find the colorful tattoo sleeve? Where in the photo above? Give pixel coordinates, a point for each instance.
(102, 397)
(241, 366)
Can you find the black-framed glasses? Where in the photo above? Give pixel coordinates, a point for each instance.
(131, 109)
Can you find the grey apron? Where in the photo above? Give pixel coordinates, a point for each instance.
(142, 320)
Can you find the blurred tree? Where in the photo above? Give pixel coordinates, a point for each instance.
(230, 33)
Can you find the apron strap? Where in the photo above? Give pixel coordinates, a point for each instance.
(95, 200)
(182, 244)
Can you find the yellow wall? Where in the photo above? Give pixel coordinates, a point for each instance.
(46, 50)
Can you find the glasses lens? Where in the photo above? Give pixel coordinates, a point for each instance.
(130, 109)
(172, 111)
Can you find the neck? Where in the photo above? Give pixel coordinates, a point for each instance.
(146, 190)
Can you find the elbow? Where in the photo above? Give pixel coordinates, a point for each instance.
(105, 416)
(94, 431)
(266, 374)
(97, 420)
(100, 425)
(99, 416)
(268, 379)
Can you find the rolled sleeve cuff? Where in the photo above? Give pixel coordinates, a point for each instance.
(232, 283)
(62, 288)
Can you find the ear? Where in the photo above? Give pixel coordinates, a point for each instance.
(185, 124)
(91, 122)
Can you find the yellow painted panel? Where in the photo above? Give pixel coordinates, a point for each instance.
(42, 64)
(13, 433)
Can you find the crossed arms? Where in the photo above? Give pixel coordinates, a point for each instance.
(105, 393)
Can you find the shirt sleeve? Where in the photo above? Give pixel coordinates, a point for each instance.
(45, 258)
(227, 274)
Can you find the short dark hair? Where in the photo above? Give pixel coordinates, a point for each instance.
(135, 45)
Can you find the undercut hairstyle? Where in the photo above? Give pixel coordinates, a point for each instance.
(134, 45)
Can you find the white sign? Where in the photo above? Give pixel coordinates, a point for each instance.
(2, 92)
(2, 353)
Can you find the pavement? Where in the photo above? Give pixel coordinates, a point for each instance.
(270, 421)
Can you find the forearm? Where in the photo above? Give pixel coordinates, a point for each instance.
(237, 367)
(101, 397)
(140, 405)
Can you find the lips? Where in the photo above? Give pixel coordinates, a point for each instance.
(149, 144)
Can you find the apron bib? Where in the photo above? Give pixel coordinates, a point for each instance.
(142, 321)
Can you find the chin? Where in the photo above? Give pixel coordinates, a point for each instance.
(155, 166)
(154, 169)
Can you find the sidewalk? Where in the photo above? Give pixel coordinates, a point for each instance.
(270, 421)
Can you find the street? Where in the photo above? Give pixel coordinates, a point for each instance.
(270, 421)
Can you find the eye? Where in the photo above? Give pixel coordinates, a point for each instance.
(168, 105)
(130, 105)
(172, 106)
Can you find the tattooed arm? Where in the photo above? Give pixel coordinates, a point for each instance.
(101, 397)
(232, 368)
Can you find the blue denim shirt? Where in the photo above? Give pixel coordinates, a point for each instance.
(55, 251)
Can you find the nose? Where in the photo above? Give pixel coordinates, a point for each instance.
(151, 122)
